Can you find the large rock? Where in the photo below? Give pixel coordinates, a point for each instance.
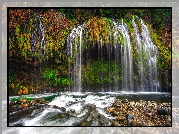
(162, 111)
(16, 116)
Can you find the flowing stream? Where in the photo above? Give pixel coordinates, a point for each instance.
(81, 108)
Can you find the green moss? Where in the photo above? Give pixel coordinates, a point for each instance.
(97, 73)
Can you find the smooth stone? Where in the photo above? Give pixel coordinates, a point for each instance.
(72, 111)
(83, 124)
(168, 124)
(114, 113)
(162, 111)
(125, 101)
(159, 125)
(120, 118)
(115, 104)
(152, 101)
(63, 115)
(168, 120)
(103, 103)
(141, 101)
(23, 100)
(55, 106)
(132, 103)
(166, 104)
(130, 117)
(63, 109)
(11, 103)
(148, 114)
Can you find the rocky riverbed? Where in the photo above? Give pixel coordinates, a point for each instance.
(140, 113)
(23, 104)
(121, 112)
(23, 108)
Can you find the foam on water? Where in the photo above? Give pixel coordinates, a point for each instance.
(77, 107)
(35, 121)
(61, 101)
(79, 103)
(98, 101)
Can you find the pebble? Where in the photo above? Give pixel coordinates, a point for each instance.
(24, 104)
(120, 118)
(149, 114)
(130, 117)
(125, 101)
(63, 109)
(141, 113)
(135, 123)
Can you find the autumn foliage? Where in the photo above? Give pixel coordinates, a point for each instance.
(35, 72)
(23, 23)
(99, 28)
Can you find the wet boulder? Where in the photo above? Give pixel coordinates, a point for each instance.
(162, 111)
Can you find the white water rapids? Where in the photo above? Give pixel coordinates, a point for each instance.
(82, 107)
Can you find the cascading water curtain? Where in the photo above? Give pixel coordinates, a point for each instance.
(126, 55)
(42, 35)
(118, 54)
(75, 52)
(147, 58)
(38, 32)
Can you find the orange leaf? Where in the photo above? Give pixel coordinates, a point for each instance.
(12, 85)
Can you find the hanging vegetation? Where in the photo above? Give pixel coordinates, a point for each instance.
(38, 56)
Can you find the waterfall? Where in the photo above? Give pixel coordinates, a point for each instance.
(42, 42)
(38, 35)
(109, 49)
(126, 55)
(75, 51)
(38, 32)
(140, 59)
(118, 55)
(147, 58)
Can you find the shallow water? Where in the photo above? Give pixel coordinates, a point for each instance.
(82, 107)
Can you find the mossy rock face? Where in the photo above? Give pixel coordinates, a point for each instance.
(57, 27)
(99, 28)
